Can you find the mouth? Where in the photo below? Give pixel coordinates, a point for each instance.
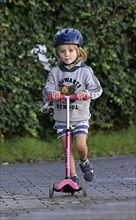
(67, 60)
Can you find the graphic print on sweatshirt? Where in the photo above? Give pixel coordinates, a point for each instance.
(67, 90)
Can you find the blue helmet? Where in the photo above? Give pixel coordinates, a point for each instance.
(68, 36)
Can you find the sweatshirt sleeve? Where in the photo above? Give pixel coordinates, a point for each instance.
(49, 85)
(93, 87)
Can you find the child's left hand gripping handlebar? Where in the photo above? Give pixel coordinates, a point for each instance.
(63, 97)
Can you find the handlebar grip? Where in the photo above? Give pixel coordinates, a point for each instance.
(63, 97)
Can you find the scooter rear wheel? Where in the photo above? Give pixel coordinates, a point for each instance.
(51, 188)
(84, 188)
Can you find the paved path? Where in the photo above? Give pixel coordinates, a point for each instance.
(24, 192)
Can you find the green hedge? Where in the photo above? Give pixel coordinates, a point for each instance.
(108, 28)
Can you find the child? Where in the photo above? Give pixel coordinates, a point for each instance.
(71, 76)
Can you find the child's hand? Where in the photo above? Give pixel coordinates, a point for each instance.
(81, 95)
(56, 95)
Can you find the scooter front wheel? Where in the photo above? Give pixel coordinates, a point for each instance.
(51, 188)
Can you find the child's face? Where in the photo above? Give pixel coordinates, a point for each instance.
(67, 53)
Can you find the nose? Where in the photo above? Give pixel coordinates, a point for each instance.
(66, 53)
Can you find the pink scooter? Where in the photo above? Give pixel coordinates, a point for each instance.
(67, 185)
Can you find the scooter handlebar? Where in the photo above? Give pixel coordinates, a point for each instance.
(63, 97)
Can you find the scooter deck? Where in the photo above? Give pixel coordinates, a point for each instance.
(67, 186)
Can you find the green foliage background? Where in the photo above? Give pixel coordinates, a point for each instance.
(108, 27)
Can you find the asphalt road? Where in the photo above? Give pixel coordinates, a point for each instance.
(25, 191)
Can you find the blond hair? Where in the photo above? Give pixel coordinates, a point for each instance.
(82, 54)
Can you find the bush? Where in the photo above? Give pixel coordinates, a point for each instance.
(108, 28)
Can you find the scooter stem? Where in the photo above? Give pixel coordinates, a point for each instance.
(68, 137)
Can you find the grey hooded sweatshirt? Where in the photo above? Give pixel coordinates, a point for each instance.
(72, 81)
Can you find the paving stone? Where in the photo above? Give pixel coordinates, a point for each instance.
(25, 189)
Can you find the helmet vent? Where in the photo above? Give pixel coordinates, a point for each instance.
(66, 31)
